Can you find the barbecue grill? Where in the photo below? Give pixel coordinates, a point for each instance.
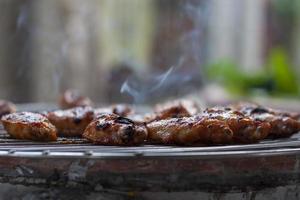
(75, 163)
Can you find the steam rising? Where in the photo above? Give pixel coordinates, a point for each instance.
(187, 77)
(23, 17)
(45, 52)
(140, 92)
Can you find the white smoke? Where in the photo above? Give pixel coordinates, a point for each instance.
(140, 91)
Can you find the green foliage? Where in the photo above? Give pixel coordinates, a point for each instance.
(234, 78)
(285, 8)
(282, 74)
(278, 78)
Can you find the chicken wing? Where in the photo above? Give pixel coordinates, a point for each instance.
(29, 126)
(112, 129)
(245, 129)
(283, 124)
(71, 122)
(189, 131)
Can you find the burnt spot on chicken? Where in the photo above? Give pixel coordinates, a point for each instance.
(128, 134)
(123, 120)
(112, 129)
(259, 110)
(102, 126)
(77, 120)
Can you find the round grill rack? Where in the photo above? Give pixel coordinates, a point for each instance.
(76, 163)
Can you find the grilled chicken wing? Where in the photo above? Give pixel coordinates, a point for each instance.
(282, 124)
(6, 108)
(245, 129)
(112, 129)
(71, 122)
(189, 131)
(29, 126)
(175, 109)
(72, 98)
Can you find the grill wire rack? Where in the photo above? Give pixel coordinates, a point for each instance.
(75, 162)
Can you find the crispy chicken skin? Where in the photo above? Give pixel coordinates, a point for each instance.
(112, 129)
(189, 131)
(29, 126)
(71, 122)
(245, 129)
(123, 110)
(6, 108)
(282, 124)
(175, 109)
(72, 98)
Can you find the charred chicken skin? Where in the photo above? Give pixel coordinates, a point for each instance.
(72, 98)
(112, 129)
(189, 131)
(6, 108)
(282, 124)
(245, 129)
(29, 126)
(71, 122)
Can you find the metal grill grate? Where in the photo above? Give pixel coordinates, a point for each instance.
(74, 147)
(73, 162)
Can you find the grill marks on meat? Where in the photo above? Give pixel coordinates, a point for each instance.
(71, 122)
(248, 124)
(6, 108)
(177, 123)
(245, 129)
(282, 124)
(189, 131)
(29, 126)
(112, 129)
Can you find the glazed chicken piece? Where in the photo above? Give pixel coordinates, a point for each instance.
(175, 109)
(112, 129)
(71, 122)
(245, 129)
(283, 124)
(197, 130)
(123, 110)
(72, 98)
(29, 126)
(6, 108)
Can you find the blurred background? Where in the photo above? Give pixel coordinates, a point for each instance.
(136, 51)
